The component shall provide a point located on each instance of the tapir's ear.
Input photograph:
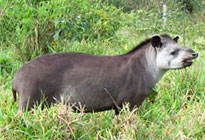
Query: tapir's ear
(156, 41)
(176, 38)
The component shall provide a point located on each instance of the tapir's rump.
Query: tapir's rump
(100, 82)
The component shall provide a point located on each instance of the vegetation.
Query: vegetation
(29, 29)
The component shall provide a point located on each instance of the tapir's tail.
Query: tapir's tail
(14, 94)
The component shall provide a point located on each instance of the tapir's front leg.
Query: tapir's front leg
(134, 100)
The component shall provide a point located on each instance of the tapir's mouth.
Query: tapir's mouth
(188, 62)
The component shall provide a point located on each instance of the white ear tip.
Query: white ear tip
(155, 35)
(177, 36)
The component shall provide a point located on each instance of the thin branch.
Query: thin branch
(113, 100)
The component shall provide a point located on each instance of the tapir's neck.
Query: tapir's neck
(145, 65)
(155, 72)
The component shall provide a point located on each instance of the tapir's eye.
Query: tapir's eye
(174, 52)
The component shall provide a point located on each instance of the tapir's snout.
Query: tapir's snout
(192, 54)
(188, 62)
(195, 55)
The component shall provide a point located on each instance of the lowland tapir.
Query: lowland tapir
(100, 82)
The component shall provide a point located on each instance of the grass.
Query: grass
(178, 112)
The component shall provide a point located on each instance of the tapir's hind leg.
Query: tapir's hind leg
(29, 101)
(28, 98)
(26, 103)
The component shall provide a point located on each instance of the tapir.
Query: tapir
(100, 82)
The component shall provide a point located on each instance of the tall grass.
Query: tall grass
(178, 111)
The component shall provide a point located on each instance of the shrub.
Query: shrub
(128, 5)
(32, 27)
(192, 5)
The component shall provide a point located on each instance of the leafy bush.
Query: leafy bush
(32, 27)
(192, 5)
(5, 64)
(128, 5)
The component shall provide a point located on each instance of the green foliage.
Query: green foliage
(5, 63)
(32, 28)
(192, 5)
(129, 5)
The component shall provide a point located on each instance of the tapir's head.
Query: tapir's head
(170, 54)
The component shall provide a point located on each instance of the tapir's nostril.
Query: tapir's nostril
(195, 55)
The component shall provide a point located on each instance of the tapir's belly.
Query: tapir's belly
(92, 100)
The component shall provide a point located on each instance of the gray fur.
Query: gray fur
(95, 81)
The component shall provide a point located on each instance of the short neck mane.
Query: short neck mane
(140, 46)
